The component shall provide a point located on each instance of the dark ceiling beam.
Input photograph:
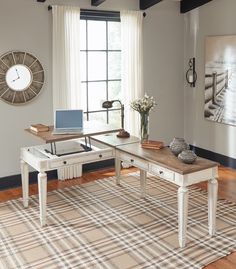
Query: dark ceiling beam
(97, 2)
(144, 4)
(187, 5)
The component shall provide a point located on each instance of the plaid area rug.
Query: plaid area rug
(101, 225)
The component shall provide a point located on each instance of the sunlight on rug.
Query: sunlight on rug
(101, 225)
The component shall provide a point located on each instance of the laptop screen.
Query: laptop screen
(69, 119)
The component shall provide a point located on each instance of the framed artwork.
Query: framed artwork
(220, 79)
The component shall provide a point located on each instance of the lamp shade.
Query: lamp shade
(107, 104)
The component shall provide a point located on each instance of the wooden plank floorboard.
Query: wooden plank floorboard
(227, 190)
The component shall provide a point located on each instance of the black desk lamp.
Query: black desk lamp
(109, 104)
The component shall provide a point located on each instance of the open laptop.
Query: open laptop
(68, 121)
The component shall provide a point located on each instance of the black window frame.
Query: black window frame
(107, 16)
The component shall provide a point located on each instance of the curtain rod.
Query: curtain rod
(50, 8)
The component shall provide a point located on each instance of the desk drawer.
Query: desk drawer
(135, 161)
(162, 172)
(82, 158)
(99, 155)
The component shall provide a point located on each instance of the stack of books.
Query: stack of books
(39, 128)
(152, 144)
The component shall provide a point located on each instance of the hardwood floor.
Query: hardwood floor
(227, 184)
(227, 190)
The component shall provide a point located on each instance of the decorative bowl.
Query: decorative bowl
(178, 145)
(187, 156)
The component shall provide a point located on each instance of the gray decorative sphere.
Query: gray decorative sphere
(187, 156)
(178, 145)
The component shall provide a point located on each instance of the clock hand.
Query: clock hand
(15, 79)
(17, 73)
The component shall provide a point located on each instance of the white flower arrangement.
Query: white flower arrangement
(143, 105)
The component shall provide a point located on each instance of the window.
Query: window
(100, 67)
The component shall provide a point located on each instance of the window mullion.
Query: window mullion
(107, 67)
(87, 68)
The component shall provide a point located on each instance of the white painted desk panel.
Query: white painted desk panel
(131, 152)
(39, 158)
(204, 171)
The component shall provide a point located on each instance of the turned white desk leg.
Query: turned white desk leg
(143, 180)
(182, 214)
(212, 203)
(117, 169)
(25, 183)
(42, 186)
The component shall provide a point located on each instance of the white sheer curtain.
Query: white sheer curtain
(132, 65)
(66, 68)
(66, 57)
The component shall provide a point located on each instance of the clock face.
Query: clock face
(21, 77)
(18, 77)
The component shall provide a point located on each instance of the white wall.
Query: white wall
(163, 69)
(215, 18)
(26, 25)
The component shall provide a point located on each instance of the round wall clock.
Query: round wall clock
(21, 77)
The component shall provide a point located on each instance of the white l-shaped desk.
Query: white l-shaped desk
(161, 163)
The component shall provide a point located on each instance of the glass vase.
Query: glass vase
(144, 126)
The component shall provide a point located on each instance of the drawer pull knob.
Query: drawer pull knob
(160, 172)
(65, 162)
(100, 155)
(132, 160)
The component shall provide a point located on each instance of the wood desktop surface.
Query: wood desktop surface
(112, 140)
(90, 128)
(165, 158)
